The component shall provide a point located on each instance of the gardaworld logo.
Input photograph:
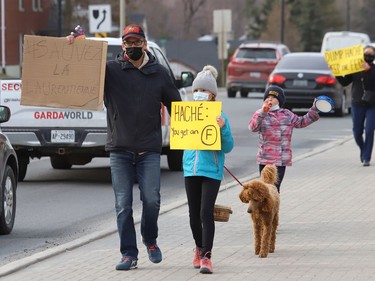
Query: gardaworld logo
(63, 115)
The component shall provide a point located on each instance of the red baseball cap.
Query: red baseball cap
(133, 31)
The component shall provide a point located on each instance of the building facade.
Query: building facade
(20, 17)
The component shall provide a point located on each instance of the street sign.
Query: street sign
(222, 27)
(100, 18)
(222, 21)
(101, 34)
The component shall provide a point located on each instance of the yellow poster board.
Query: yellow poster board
(346, 60)
(193, 125)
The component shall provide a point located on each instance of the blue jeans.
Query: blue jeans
(126, 168)
(364, 120)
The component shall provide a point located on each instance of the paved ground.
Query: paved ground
(326, 232)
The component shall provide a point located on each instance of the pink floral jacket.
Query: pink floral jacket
(275, 133)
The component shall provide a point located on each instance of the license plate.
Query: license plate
(300, 83)
(62, 136)
(255, 74)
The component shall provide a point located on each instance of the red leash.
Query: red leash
(233, 175)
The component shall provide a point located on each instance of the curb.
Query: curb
(35, 258)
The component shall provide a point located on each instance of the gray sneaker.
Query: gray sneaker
(154, 253)
(127, 263)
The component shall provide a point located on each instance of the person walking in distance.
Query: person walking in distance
(363, 112)
(203, 171)
(135, 87)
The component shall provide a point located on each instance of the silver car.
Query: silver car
(8, 178)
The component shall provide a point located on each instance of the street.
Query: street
(58, 206)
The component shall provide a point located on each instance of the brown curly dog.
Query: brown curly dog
(264, 202)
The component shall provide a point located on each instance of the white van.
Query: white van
(341, 39)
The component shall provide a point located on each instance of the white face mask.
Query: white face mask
(200, 96)
(275, 107)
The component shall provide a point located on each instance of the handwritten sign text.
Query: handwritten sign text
(193, 125)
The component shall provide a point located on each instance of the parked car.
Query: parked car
(305, 76)
(8, 178)
(250, 65)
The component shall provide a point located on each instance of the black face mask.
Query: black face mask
(134, 53)
(369, 58)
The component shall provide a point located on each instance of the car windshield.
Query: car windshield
(256, 54)
(113, 51)
(303, 62)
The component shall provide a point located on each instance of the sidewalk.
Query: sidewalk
(326, 232)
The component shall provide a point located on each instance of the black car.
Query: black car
(305, 76)
(8, 178)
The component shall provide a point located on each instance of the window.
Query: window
(257, 54)
(21, 7)
(37, 6)
(112, 51)
(161, 59)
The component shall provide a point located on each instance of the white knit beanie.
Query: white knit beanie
(206, 79)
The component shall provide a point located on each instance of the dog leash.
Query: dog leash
(232, 175)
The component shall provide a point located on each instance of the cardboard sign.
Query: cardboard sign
(193, 125)
(346, 60)
(58, 74)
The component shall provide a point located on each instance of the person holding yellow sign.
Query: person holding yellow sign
(203, 171)
(363, 110)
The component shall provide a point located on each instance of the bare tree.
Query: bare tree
(191, 7)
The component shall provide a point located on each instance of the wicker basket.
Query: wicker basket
(222, 213)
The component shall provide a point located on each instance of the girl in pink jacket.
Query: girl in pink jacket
(275, 126)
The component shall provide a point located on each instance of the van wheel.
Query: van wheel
(340, 112)
(22, 169)
(244, 93)
(8, 202)
(175, 160)
(23, 162)
(231, 93)
(59, 163)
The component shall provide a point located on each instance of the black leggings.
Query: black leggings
(280, 174)
(201, 194)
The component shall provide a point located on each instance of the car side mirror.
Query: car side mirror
(4, 114)
(187, 78)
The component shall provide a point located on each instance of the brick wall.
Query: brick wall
(19, 23)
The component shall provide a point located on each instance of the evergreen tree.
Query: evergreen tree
(367, 18)
(258, 17)
(313, 19)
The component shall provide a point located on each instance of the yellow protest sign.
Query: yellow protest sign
(346, 60)
(193, 125)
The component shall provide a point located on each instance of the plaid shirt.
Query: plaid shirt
(275, 134)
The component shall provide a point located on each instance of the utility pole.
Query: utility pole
(348, 15)
(282, 20)
(122, 16)
(3, 64)
(59, 19)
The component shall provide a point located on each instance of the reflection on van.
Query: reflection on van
(342, 39)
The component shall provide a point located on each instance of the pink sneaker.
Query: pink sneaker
(197, 258)
(206, 265)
